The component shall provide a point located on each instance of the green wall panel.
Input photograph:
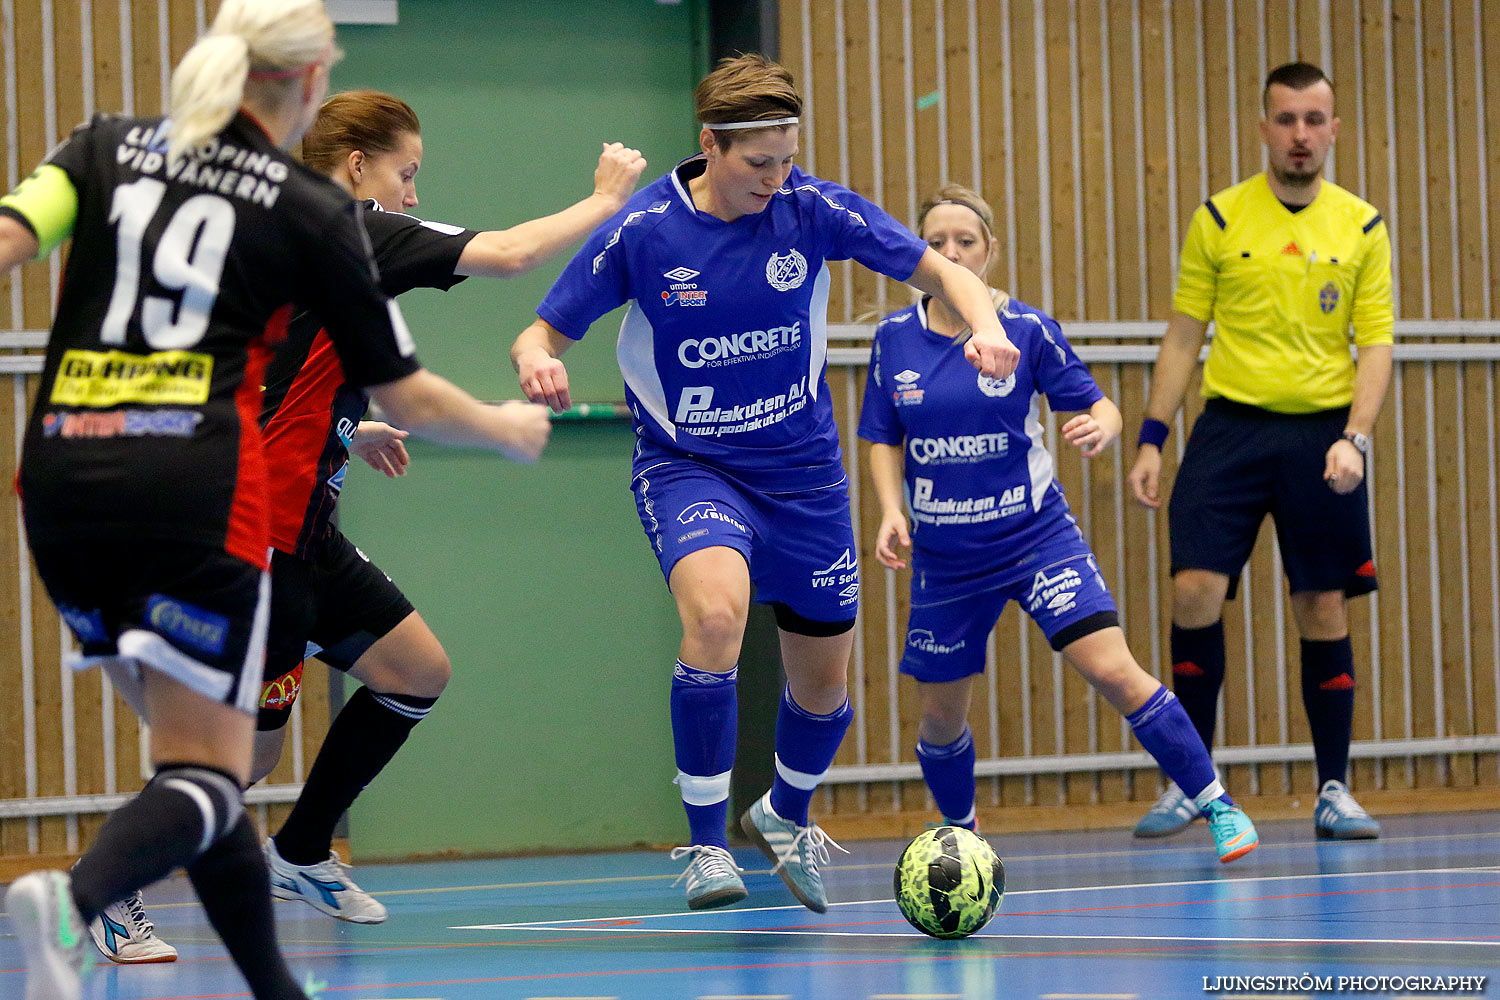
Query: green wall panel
(554, 733)
(515, 99)
(539, 582)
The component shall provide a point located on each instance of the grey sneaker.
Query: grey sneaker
(797, 850)
(713, 879)
(1172, 813)
(324, 886)
(51, 932)
(1338, 817)
(124, 934)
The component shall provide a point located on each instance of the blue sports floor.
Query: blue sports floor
(1086, 916)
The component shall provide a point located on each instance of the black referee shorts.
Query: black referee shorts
(335, 607)
(1242, 463)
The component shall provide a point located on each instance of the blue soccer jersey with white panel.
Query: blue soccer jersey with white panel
(978, 473)
(724, 345)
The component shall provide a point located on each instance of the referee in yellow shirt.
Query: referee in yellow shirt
(1283, 264)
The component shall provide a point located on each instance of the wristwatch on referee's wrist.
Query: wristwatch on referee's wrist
(1360, 441)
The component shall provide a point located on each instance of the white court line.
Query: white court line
(598, 923)
(1048, 936)
(1009, 859)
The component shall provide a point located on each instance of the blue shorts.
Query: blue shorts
(799, 546)
(1058, 583)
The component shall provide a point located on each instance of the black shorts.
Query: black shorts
(1242, 463)
(335, 606)
(192, 612)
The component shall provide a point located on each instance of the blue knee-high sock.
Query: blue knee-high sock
(705, 718)
(1167, 733)
(805, 747)
(949, 771)
(1328, 696)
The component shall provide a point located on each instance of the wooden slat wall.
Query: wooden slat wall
(68, 59)
(1095, 128)
(1101, 125)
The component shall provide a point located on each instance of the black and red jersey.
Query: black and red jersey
(310, 408)
(179, 280)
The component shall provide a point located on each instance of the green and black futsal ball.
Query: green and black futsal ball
(949, 882)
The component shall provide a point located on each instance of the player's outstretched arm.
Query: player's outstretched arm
(380, 445)
(989, 349)
(1093, 431)
(535, 357)
(1175, 361)
(17, 244)
(885, 471)
(432, 407)
(504, 253)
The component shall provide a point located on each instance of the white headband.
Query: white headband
(732, 126)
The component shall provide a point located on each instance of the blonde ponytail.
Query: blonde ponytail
(207, 88)
(256, 43)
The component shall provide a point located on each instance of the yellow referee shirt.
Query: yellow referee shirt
(1282, 289)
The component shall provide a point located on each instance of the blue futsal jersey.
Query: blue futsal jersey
(979, 478)
(724, 346)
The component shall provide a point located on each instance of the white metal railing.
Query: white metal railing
(1268, 748)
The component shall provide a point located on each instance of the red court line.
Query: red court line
(1180, 902)
(987, 956)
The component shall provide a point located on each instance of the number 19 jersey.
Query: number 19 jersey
(724, 346)
(180, 279)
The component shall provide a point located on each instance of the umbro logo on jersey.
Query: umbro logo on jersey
(1292, 249)
(906, 377)
(681, 274)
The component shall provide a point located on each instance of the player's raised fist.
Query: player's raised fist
(527, 427)
(619, 169)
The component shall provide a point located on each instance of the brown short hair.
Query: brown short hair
(746, 88)
(366, 120)
(957, 194)
(1297, 75)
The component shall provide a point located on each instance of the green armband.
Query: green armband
(48, 202)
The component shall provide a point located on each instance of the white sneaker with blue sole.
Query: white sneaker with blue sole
(125, 935)
(325, 886)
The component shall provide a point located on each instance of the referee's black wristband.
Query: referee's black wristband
(1153, 432)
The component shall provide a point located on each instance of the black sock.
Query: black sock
(1198, 673)
(231, 881)
(361, 741)
(165, 827)
(1328, 696)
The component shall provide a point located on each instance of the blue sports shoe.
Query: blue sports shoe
(1338, 817)
(1172, 813)
(1234, 834)
(324, 886)
(713, 879)
(797, 851)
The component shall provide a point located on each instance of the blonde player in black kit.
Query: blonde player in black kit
(143, 478)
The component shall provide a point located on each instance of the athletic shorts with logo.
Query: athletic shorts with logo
(189, 611)
(953, 610)
(799, 546)
(334, 606)
(1242, 463)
